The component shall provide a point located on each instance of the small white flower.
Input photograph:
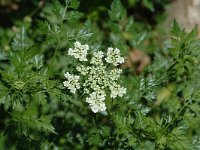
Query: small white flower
(97, 78)
(115, 74)
(117, 90)
(98, 54)
(79, 51)
(97, 58)
(72, 82)
(113, 56)
(83, 70)
(98, 107)
(96, 102)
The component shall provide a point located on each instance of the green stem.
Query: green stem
(28, 130)
(58, 39)
(127, 114)
(176, 116)
(53, 59)
(65, 10)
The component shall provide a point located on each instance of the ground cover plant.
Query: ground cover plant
(69, 78)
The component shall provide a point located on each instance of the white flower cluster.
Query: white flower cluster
(113, 56)
(79, 51)
(96, 102)
(72, 82)
(97, 77)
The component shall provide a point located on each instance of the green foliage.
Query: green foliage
(160, 110)
(148, 4)
(21, 42)
(117, 11)
(184, 50)
(27, 120)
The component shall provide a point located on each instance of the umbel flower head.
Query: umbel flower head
(98, 78)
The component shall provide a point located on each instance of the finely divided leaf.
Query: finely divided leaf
(21, 41)
(117, 11)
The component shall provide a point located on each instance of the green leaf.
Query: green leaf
(21, 41)
(56, 7)
(176, 30)
(27, 119)
(184, 51)
(148, 4)
(40, 98)
(195, 107)
(51, 31)
(117, 11)
(196, 143)
(74, 4)
(177, 139)
(44, 124)
(73, 16)
(3, 56)
(94, 139)
(122, 123)
(147, 145)
(192, 35)
(138, 39)
(8, 77)
(191, 121)
(132, 141)
(105, 131)
(37, 61)
(196, 96)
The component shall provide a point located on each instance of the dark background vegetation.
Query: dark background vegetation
(161, 72)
